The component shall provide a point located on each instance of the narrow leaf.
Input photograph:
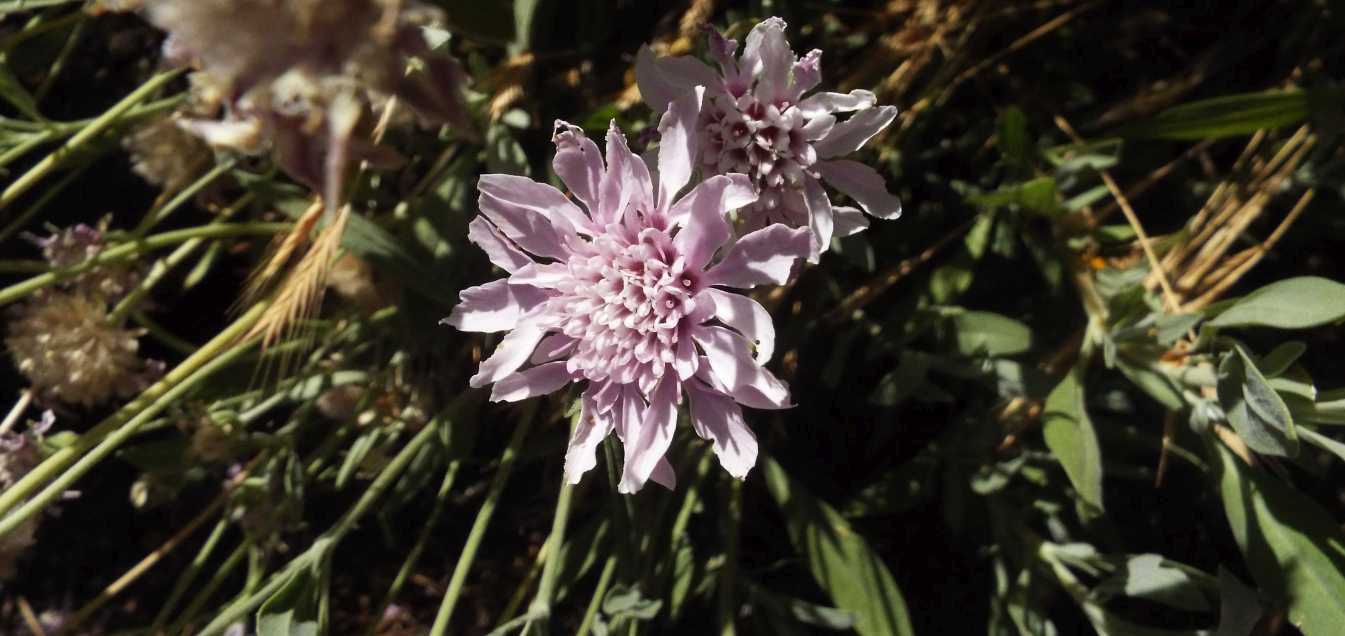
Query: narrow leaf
(1294, 303)
(1070, 436)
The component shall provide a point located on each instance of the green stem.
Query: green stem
(324, 544)
(31, 211)
(161, 267)
(127, 250)
(122, 424)
(189, 575)
(107, 444)
(441, 498)
(62, 59)
(216, 580)
(729, 522)
(604, 580)
(479, 526)
(158, 215)
(102, 123)
(546, 590)
(623, 514)
(163, 335)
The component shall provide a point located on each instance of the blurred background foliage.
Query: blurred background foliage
(1089, 382)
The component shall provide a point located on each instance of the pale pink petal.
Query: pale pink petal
(647, 444)
(664, 475)
(498, 249)
(593, 427)
(765, 256)
(766, 48)
(626, 181)
(807, 74)
(732, 364)
(701, 215)
(526, 228)
(553, 347)
(539, 380)
(513, 350)
(678, 144)
(820, 218)
(661, 80)
(686, 362)
(494, 306)
(540, 198)
(241, 135)
(819, 104)
(863, 184)
(818, 127)
(849, 221)
(747, 317)
(578, 163)
(851, 134)
(718, 419)
(541, 275)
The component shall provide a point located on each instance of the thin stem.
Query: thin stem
(110, 442)
(161, 267)
(122, 424)
(127, 250)
(729, 522)
(546, 590)
(323, 545)
(445, 487)
(97, 126)
(158, 215)
(479, 526)
(189, 575)
(604, 580)
(47, 195)
(216, 580)
(20, 406)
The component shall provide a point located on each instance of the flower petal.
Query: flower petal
(513, 350)
(494, 306)
(820, 104)
(553, 347)
(849, 221)
(581, 455)
(626, 181)
(733, 366)
(766, 48)
(818, 127)
(701, 215)
(539, 380)
(747, 317)
(851, 134)
(718, 419)
(578, 163)
(664, 475)
(661, 80)
(764, 256)
(807, 74)
(649, 442)
(540, 198)
(542, 275)
(863, 184)
(678, 144)
(525, 227)
(821, 220)
(497, 248)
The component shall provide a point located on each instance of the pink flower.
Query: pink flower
(626, 295)
(757, 121)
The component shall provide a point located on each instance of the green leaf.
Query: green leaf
(1070, 436)
(293, 609)
(1281, 358)
(1295, 303)
(981, 333)
(1013, 140)
(1254, 409)
(840, 560)
(1227, 116)
(1037, 195)
(13, 91)
(800, 611)
(1323, 442)
(1293, 547)
(1150, 576)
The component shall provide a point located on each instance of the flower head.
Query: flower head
(624, 293)
(62, 342)
(299, 73)
(758, 120)
(78, 243)
(18, 456)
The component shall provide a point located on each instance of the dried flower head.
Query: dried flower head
(18, 456)
(79, 243)
(297, 73)
(62, 342)
(757, 121)
(625, 294)
(166, 155)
